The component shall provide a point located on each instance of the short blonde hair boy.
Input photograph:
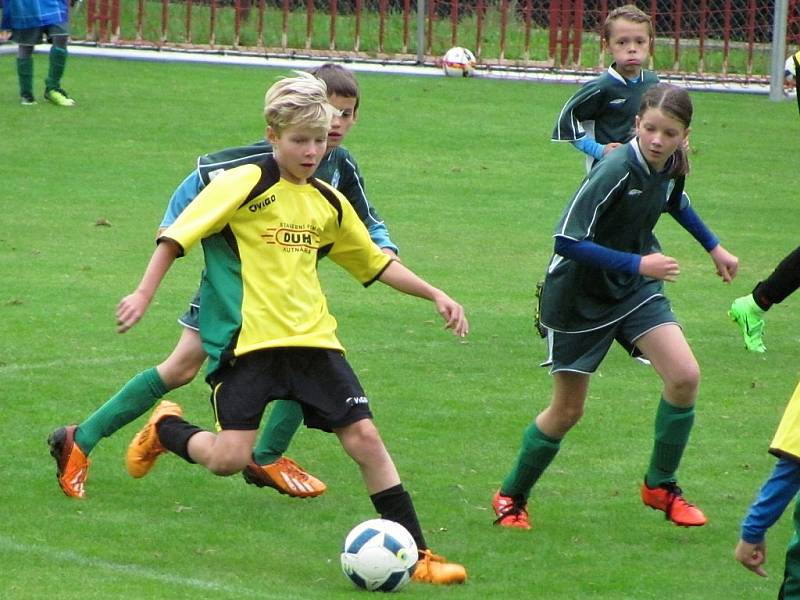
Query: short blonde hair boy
(300, 100)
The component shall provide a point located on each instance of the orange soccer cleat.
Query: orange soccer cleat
(72, 465)
(146, 447)
(512, 513)
(432, 568)
(286, 476)
(669, 499)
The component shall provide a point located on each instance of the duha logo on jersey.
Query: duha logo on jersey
(293, 238)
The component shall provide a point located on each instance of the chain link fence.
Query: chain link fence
(719, 40)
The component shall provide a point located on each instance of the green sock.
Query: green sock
(25, 75)
(58, 62)
(134, 399)
(537, 452)
(284, 419)
(673, 426)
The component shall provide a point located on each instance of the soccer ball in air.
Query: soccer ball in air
(458, 62)
(379, 555)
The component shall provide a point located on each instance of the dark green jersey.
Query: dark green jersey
(616, 206)
(605, 107)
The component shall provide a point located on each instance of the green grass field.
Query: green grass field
(470, 186)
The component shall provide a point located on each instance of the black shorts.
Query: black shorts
(320, 380)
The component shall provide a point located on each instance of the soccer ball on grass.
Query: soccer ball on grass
(379, 555)
(458, 62)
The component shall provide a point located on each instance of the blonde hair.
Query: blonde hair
(300, 100)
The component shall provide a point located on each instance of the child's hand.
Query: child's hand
(752, 556)
(453, 314)
(659, 266)
(130, 310)
(610, 146)
(727, 264)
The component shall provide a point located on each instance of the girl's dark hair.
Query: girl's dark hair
(629, 12)
(675, 102)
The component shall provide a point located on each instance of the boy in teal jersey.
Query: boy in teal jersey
(599, 116)
(264, 320)
(30, 21)
(71, 445)
(605, 282)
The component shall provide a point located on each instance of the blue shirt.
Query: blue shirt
(26, 14)
(773, 498)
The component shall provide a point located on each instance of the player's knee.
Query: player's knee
(569, 416)
(362, 441)
(684, 383)
(176, 374)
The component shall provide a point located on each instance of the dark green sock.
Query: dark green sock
(537, 452)
(25, 75)
(134, 399)
(284, 419)
(673, 426)
(58, 62)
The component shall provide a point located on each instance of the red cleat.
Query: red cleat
(669, 499)
(512, 513)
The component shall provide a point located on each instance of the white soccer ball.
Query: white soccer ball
(458, 62)
(379, 555)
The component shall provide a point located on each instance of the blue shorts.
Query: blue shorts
(583, 352)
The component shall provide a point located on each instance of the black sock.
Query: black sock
(783, 281)
(174, 433)
(395, 505)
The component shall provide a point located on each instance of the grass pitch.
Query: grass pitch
(470, 186)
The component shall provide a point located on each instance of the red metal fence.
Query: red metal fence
(719, 39)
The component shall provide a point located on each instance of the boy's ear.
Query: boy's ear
(271, 135)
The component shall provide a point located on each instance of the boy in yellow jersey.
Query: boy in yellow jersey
(265, 323)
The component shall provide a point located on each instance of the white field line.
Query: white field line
(137, 571)
(73, 362)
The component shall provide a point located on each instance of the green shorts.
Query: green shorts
(583, 352)
(36, 35)
(191, 318)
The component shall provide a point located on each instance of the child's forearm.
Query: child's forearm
(165, 254)
(404, 280)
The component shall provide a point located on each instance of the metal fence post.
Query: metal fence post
(420, 32)
(778, 50)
